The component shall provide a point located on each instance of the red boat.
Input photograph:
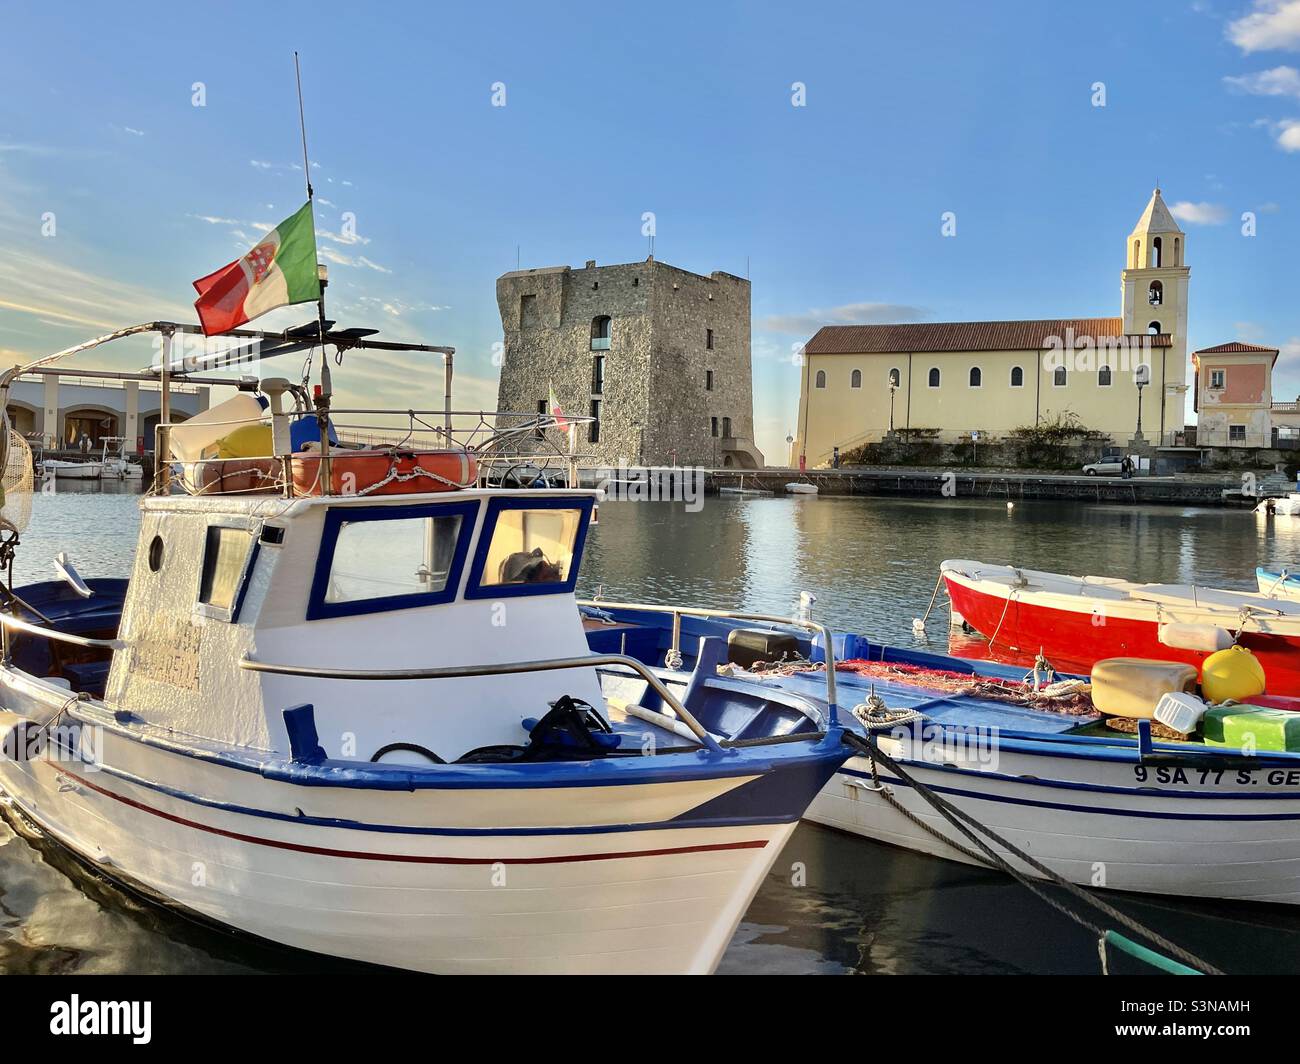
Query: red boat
(1075, 621)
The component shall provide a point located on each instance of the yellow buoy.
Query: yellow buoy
(1234, 674)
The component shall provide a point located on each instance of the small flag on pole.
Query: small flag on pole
(279, 271)
(561, 422)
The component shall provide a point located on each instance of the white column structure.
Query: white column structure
(131, 427)
(50, 420)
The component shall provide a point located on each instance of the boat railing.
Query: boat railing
(499, 669)
(674, 654)
(8, 623)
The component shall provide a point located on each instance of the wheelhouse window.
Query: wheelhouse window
(226, 556)
(385, 558)
(600, 333)
(529, 548)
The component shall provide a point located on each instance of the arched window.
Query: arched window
(1153, 329)
(895, 378)
(1017, 377)
(821, 378)
(976, 377)
(855, 379)
(1137, 254)
(934, 376)
(1058, 377)
(1178, 251)
(1103, 377)
(600, 333)
(1156, 294)
(1156, 255)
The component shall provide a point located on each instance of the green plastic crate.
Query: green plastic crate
(1255, 727)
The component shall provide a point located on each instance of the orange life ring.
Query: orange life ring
(387, 472)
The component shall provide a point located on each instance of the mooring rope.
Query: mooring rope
(960, 819)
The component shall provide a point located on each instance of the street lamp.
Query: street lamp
(1143, 378)
(892, 389)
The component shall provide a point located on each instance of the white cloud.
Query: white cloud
(212, 219)
(1199, 213)
(1288, 134)
(1273, 24)
(847, 314)
(1280, 81)
(261, 165)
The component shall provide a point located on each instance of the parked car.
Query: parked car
(1110, 464)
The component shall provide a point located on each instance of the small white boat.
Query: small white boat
(114, 464)
(1286, 506)
(738, 490)
(60, 469)
(800, 487)
(306, 717)
(1278, 583)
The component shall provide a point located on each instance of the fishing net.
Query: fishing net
(1071, 697)
(18, 482)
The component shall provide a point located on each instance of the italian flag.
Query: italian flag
(281, 270)
(561, 422)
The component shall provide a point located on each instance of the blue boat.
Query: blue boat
(1020, 753)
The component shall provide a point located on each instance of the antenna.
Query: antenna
(302, 125)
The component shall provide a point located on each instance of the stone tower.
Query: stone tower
(659, 355)
(1155, 301)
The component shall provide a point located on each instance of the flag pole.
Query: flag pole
(322, 397)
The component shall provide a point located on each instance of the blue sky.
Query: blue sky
(685, 110)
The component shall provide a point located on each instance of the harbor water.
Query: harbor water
(833, 903)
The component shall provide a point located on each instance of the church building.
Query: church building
(946, 380)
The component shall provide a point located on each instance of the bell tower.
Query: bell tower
(1154, 287)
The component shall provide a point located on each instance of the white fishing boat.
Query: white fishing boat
(800, 487)
(345, 702)
(1026, 755)
(61, 469)
(114, 463)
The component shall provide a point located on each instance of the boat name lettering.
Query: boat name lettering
(1215, 777)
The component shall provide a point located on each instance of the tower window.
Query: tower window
(726, 428)
(976, 377)
(1156, 253)
(1103, 377)
(708, 380)
(713, 426)
(598, 375)
(1137, 254)
(895, 378)
(820, 379)
(1153, 329)
(600, 333)
(1059, 377)
(1156, 294)
(593, 429)
(708, 339)
(934, 376)
(1178, 251)
(1017, 377)
(855, 379)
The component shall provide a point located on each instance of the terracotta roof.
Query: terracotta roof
(964, 336)
(1236, 347)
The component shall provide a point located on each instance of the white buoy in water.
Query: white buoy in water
(918, 625)
(1011, 506)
